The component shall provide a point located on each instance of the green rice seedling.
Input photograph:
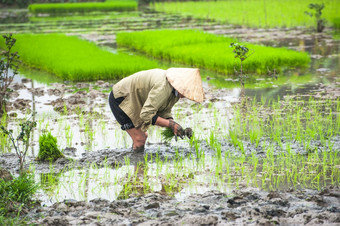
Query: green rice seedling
(59, 8)
(268, 14)
(167, 134)
(68, 135)
(208, 51)
(3, 136)
(48, 148)
(71, 58)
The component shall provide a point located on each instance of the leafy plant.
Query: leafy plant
(22, 141)
(8, 60)
(241, 52)
(320, 22)
(16, 193)
(48, 148)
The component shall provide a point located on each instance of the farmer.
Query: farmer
(147, 97)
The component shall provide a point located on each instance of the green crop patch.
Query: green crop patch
(59, 8)
(253, 13)
(71, 58)
(204, 50)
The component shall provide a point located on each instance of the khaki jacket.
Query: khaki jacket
(146, 93)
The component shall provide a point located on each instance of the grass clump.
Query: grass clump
(48, 148)
(58, 8)
(252, 13)
(16, 194)
(209, 51)
(71, 58)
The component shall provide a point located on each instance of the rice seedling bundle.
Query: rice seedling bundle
(71, 58)
(253, 13)
(204, 50)
(55, 8)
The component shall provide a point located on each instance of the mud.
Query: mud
(248, 206)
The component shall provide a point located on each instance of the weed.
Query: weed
(16, 193)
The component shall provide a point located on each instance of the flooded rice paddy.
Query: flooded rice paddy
(236, 170)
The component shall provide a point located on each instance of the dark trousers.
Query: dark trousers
(118, 113)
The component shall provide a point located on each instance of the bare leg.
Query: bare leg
(138, 137)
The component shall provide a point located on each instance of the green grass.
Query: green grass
(253, 13)
(16, 193)
(203, 50)
(56, 8)
(71, 58)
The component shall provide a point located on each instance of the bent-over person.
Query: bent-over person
(147, 97)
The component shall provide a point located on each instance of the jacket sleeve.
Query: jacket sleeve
(156, 98)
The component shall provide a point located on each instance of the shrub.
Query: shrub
(48, 148)
(22, 141)
(8, 61)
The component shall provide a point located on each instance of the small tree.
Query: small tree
(7, 60)
(242, 53)
(22, 141)
(320, 22)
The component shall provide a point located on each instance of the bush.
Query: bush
(48, 148)
(16, 193)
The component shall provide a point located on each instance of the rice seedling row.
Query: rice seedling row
(209, 51)
(59, 8)
(268, 14)
(71, 58)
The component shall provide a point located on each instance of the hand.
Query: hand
(188, 132)
(176, 129)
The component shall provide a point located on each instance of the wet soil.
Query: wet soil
(246, 206)
(242, 206)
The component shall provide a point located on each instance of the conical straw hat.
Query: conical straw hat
(187, 81)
